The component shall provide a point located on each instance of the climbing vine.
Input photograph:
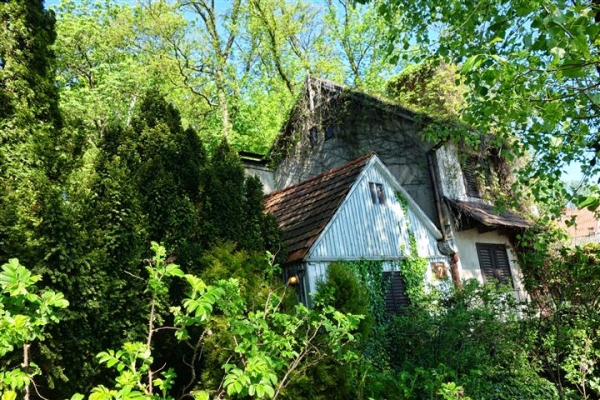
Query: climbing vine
(412, 267)
(370, 274)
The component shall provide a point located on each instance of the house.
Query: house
(330, 126)
(585, 228)
(257, 165)
(354, 212)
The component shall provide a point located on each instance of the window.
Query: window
(396, 299)
(471, 176)
(377, 193)
(313, 136)
(494, 264)
(328, 132)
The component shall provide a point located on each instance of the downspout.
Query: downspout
(446, 245)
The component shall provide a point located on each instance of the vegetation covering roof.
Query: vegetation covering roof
(303, 210)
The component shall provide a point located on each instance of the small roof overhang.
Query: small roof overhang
(486, 217)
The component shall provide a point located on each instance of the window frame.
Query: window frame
(497, 269)
(377, 191)
(395, 298)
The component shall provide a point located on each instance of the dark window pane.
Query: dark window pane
(380, 193)
(377, 193)
(313, 136)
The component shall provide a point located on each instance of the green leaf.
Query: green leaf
(269, 391)
(9, 395)
(591, 203)
(472, 63)
(201, 395)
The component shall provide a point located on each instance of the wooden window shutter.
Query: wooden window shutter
(471, 176)
(395, 294)
(494, 263)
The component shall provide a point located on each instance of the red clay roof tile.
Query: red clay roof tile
(303, 210)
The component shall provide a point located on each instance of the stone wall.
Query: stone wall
(331, 127)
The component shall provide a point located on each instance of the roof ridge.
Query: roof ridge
(332, 171)
(379, 99)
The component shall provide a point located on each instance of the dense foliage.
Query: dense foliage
(532, 69)
(263, 356)
(138, 148)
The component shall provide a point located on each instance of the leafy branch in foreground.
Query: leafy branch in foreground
(271, 346)
(24, 313)
(531, 68)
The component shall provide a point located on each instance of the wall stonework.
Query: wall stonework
(341, 129)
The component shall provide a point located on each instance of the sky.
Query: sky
(572, 173)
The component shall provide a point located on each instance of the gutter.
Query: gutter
(446, 246)
(431, 164)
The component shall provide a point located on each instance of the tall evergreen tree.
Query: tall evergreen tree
(38, 219)
(223, 204)
(254, 209)
(29, 118)
(168, 177)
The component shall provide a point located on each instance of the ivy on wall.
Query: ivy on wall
(412, 267)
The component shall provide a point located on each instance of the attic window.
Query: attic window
(377, 193)
(328, 132)
(313, 136)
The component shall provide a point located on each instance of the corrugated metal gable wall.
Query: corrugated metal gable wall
(362, 229)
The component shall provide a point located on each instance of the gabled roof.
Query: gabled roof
(488, 215)
(303, 210)
(363, 97)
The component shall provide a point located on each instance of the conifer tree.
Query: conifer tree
(223, 203)
(254, 223)
(38, 218)
(29, 118)
(168, 177)
(261, 229)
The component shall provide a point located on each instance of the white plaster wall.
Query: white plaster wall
(265, 175)
(469, 261)
(450, 174)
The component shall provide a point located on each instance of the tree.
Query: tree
(223, 208)
(231, 70)
(168, 176)
(428, 88)
(532, 69)
(108, 57)
(355, 32)
(29, 119)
